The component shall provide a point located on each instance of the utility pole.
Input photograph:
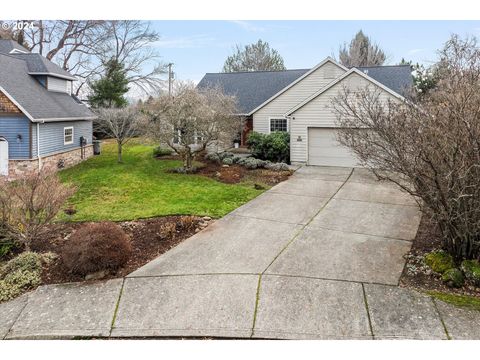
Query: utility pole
(170, 79)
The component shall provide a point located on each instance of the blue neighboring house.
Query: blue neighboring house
(41, 122)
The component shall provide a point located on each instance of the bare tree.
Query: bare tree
(83, 47)
(254, 57)
(361, 52)
(432, 141)
(192, 119)
(30, 204)
(120, 124)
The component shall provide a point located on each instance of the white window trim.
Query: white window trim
(73, 136)
(270, 118)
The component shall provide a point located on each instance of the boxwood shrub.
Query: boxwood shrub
(273, 147)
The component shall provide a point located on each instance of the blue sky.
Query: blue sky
(197, 47)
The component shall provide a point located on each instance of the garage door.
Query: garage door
(324, 150)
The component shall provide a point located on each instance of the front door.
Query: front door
(3, 156)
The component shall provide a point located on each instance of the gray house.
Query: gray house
(41, 122)
(298, 102)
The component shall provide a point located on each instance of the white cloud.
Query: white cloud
(248, 26)
(184, 42)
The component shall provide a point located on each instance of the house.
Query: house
(298, 101)
(41, 121)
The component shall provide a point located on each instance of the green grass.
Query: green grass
(142, 187)
(466, 301)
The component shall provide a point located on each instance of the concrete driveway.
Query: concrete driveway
(317, 256)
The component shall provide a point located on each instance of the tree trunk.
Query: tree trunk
(119, 153)
(187, 161)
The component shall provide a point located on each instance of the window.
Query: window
(68, 135)
(278, 125)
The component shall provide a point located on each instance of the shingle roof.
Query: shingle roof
(8, 45)
(33, 98)
(38, 65)
(255, 87)
(251, 88)
(396, 77)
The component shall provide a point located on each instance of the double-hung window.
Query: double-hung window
(278, 124)
(68, 135)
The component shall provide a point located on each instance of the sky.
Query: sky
(198, 47)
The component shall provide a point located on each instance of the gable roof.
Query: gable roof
(396, 77)
(251, 88)
(255, 89)
(339, 79)
(35, 101)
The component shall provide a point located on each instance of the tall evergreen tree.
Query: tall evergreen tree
(254, 57)
(361, 52)
(110, 89)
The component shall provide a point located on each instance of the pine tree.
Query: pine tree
(110, 89)
(361, 52)
(254, 57)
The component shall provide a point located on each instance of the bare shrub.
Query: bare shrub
(30, 204)
(95, 247)
(188, 222)
(432, 141)
(168, 230)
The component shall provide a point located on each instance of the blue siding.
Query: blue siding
(51, 136)
(10, 128)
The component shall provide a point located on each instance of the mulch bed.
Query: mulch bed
(417, 275)
(148, 241)
(233, 174)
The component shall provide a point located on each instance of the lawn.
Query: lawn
(142, 187)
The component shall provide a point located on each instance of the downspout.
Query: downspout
(38, 147)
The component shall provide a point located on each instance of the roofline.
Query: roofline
(336, 81)
(64, 119)
(22, 109)
(54, 75)
(252, 72)
(328, 59)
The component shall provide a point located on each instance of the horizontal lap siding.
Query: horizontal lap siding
(51, 136)
(318, 113)
(10, 128)
(295, 95)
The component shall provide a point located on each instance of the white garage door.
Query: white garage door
(324, 150)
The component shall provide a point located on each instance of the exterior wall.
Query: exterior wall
(56, 84)
(17, 168)
(6, 106)
(11, 126)
(318, 79)
(51, 136)
(318, 113)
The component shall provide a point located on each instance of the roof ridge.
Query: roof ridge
(382, 66)
(255, 72)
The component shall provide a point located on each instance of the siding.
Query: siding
(296, 94)
(51, 136)
(318, 113)
(10, 127)
(56, 84)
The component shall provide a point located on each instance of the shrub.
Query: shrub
(95, 247)
(277, 166)
(453, 278)
(471, 269)
(159, 151)
(228, 161)
(273, 147)
(439, 261)
(29, 205)
(213, 157)
(20, 274)
(188, 222)
(168, 230)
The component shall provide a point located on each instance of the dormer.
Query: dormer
(58, 84)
